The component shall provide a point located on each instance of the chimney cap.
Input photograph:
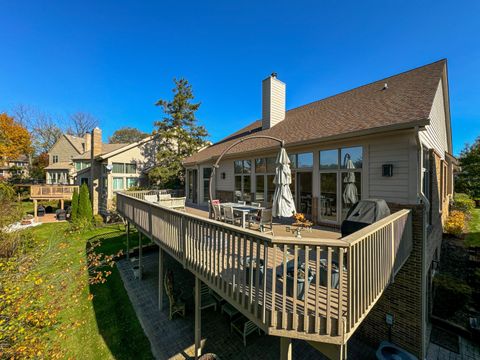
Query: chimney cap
(274, 75)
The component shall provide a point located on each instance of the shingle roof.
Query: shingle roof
(77, 142)
(407, 100)
(59, 166)
(106, 148)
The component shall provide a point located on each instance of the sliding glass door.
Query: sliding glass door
(340, 182)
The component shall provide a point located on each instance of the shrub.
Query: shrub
(451, 294)
(74, 214)
(462, 202)
(98, 220)
(455, 223)
(84, 204)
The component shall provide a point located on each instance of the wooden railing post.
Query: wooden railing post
(183, 239)
(392, 244)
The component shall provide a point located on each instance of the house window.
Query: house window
(118, 168)
(118, 183)
(131, 182)
(131, 168)
(206, 183)
(242, 169)
(264, 175)
(55, 159)
(305, 160)
(340, 181)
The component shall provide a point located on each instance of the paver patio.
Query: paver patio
(175, 339)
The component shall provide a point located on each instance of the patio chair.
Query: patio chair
(207, 300)
(264, 220)
(176, 305)
(241, 202)
(244, 327)
(151, 198)
(229, 215)
(217, 212)
(211, 213)
(256, 204)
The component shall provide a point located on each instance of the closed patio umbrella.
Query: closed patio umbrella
(283, 203)
(350, 194)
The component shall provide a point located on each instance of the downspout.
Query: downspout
(422, 199)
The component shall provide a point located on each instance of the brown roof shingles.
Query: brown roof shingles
(408, 99)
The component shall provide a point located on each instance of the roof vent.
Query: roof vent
(385, 87)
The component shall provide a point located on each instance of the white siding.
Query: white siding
(398, 152)
(435, 136)
(228, 183)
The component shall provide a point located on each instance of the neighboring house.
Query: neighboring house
(106, 168)
(397, 133)
(15, 168)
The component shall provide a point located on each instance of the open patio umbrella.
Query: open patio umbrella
(350, 194)
(283, 203)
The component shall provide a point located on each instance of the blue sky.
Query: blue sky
(115, 59)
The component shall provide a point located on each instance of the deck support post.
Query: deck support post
(127, 229)
(35, 205)
(198, 318)
(160, 278)
(285, 348)
(140, 265)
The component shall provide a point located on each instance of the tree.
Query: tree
(81, 123)
(45, 129)
(74, 213)
(468, 180)
(14, 138)
(84, 205)
(39, 163)
(126, 135)
(179, 134)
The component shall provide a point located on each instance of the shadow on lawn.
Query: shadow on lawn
(116, 319)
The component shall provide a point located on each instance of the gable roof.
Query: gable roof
(77, 142)
(369, 108)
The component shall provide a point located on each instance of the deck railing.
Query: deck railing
(255, 272)
(64, 192)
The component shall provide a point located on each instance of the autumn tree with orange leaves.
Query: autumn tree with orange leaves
(15, 140)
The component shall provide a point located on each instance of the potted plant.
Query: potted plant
(253, 265)
(301, 278)
(209, 356)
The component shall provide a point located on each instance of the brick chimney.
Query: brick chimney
(87, 141)
(273, 101)
(96, 147)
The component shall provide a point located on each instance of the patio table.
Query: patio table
(243, 209)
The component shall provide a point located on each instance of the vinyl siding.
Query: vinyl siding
(435, 135)
(63, 149)
(398, 152)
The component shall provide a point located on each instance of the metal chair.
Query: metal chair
(244, 327)
(256, 204)
(264, 221)
(229, 215)
(206, 299)
(176, 305)
(241, 202)
(217, 212)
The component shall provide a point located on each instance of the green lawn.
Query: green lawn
(102, 327)
(472, 238)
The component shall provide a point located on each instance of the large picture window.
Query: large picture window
(242, 169)
(340, 181)
(118, 183)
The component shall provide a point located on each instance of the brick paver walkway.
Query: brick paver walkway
(175, 339)
(468, 351)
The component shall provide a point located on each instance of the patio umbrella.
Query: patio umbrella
(350, 194)
(283, 203)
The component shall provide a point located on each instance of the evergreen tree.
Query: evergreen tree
(179, 135)
(74, 214)
(468, 180)
(84, 204)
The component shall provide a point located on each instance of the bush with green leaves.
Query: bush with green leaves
(74, 214)
(463, 202)
(84, 205)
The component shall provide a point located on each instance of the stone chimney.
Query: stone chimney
(273, 101)
(96, 147)
(88, 141)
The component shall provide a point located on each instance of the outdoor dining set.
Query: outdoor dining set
(242, 214)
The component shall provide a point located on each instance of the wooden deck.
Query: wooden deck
(348, 275)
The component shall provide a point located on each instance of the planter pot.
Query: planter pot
(247, 270)
(136, 271)
(300, 283)
(209, 356)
